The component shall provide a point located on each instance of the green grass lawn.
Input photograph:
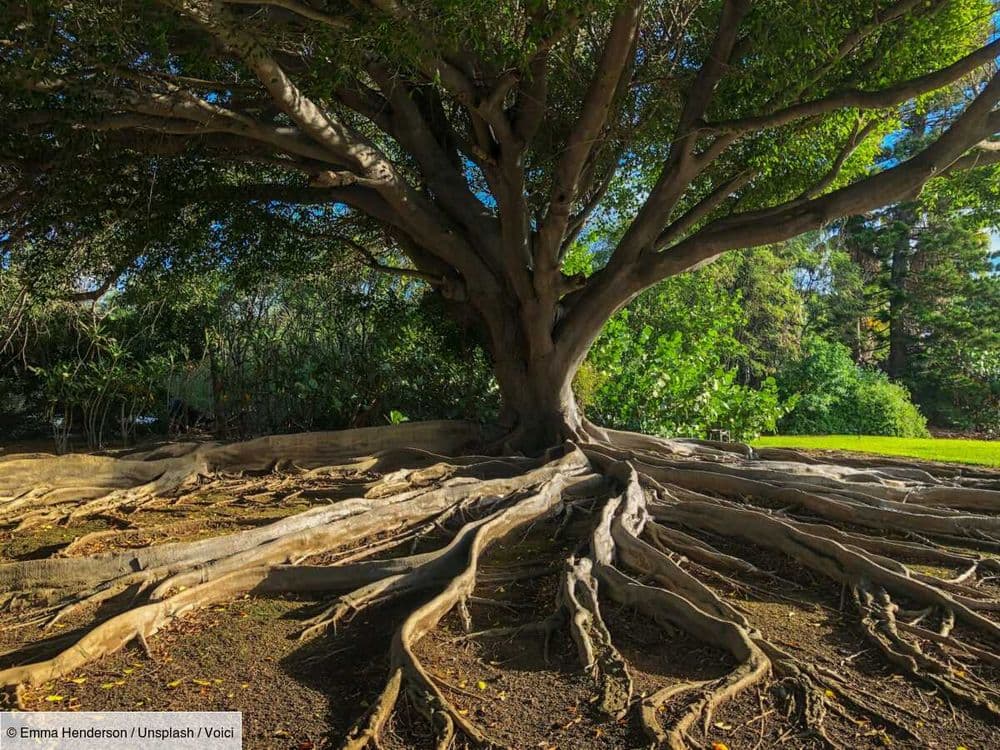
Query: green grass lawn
(985, 452)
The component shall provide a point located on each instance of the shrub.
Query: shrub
(836, 396)
(645, 373)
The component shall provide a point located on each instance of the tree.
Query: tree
(928, 305)
(912, 288)
(468, 144)
(482, 152)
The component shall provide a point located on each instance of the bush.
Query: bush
(835, 396)
(664, 367)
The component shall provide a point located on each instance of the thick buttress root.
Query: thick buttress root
(665, 523)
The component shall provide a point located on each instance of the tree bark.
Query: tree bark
(534, 370)
(898, 276)
(538, 407)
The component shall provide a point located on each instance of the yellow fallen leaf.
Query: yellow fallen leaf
(175, 683)
(245, 685)
(203, 683)
(79, 680)
(961, 747)
(463, 711)
(108, 685)
(960, 673)
(481, 685)
(53, 698)
(830, 694)
(720, 746)
(127, 671)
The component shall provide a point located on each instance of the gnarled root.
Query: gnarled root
(670, 530)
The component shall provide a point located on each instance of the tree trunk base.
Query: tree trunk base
(674, 531)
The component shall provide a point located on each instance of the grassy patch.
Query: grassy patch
(983, 452)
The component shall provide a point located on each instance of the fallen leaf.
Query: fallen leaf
(720, 746)
(53, 698)
(79, 680)
(175, 683)
(481, 685)
(830, 694)
(203, 683)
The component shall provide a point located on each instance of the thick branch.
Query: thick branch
(881, 99)
(596, 109)
(299, 9)
(783, 222)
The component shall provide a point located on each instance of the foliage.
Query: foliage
(836, 396)
(914, 290)
(663, 366)
(99, 371)
(247, 358)
(313, 353)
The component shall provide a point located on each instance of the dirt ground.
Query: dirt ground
(528, 690)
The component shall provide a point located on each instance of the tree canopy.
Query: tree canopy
(470, 143)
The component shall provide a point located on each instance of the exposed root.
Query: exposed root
(662, 518)
(47, 489)
(578, 595)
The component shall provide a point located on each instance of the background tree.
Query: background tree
(912, 289)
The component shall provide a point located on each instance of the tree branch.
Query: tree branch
(593, 116)
(881, 99)
(682, 166)
(299, 9)
(370, 260)
(702, 209)
(782, 222)
(857, 137)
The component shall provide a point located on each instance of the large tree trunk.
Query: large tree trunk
(538, 402)
(534, 371)
(898, 277)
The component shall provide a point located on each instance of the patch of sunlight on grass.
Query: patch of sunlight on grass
(983, 452)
